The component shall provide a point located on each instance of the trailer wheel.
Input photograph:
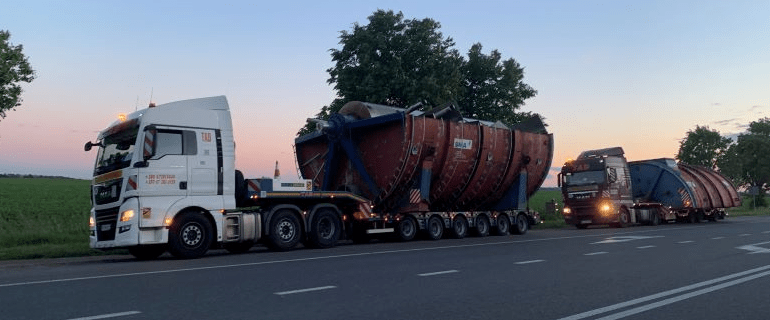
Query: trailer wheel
(285, 231)
(459, 227)
(406, 229)
(435, 228)
(522, 224)
(326, 229)
(482, 226)
(148, 252)
(190, 236)
(238, 247)
(503, 225)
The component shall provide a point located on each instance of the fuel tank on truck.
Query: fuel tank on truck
(681, 186)
(405, 160)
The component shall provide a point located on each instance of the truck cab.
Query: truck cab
(157, 163)
(597, 189)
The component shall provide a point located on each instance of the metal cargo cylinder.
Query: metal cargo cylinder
(416, 161)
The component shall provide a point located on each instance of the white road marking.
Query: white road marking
(682, 297)
(645, 247)
(595, 253)
(530, 261)
(436, 273)
(673, 292)
(283, 293)
(765, 232)
(755, 248)
(105, 316)
(745, 235)
(250, 264)
(688, 241)
(625, 238)
(717, 238)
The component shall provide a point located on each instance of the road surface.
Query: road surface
(677, 271)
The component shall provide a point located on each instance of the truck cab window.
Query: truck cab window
(175, 142)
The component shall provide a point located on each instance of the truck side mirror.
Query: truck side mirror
(558, 179)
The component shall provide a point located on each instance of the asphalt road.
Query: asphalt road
(678, 271)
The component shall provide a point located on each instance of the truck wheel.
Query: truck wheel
(624, 218)
(238, 247)
(325, 229)
(435, 228)
(285, 231)
(148, 252)
(459, 227)
(482, 226)
(190, 236)
(522, 224)
(406, 229)
(503, 225)
(581, 226)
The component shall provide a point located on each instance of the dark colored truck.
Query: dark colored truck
(601, 187)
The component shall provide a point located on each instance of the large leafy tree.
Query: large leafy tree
(747, 161)
(702, 147)
(400, 62)
(14, 69)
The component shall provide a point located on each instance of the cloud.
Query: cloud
(716, 104)
(725, 122)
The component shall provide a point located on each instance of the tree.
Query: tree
(702, 147)
(492, 90)
(400, 62)
(747, 161)
(14, 69)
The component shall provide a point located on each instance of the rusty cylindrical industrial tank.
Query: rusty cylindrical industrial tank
(407, 161)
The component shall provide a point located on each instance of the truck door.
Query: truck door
(162, 179)
(204, 167)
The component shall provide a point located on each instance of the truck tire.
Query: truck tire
(147, 252)
(522, 224)
(581, 226)
(503, 225)
(190, 235)
(434, 229)
(482, 226)
(624, 218)
(285, 231)
(238, 247)
(459, 227)
(325, 229)
(406, 229)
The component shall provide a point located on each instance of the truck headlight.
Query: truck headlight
(91, 222)
(605, 207)
(567, 210)
(126, 215)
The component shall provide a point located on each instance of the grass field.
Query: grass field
(44, 217)
(48, 217)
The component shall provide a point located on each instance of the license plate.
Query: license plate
(106, 227)
(585, 221)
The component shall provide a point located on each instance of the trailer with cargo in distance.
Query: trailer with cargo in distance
(602, 187)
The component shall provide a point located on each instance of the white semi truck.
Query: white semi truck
(165, 180)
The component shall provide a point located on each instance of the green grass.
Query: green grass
(44, 218)
(551, 219)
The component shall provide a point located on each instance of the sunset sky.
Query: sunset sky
(636, 74)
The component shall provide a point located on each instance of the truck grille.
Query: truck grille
(106, 221)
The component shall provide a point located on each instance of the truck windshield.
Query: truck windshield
(117, 150)
(585, 177)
